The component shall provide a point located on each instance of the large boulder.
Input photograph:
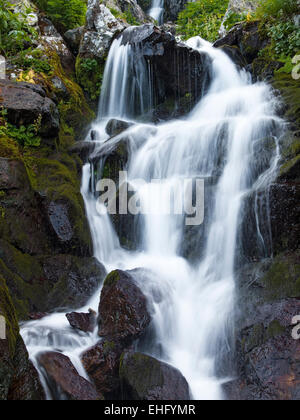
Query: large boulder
(26, 103)
(100, 30)
(42, 284)
(247, 38)
(267, 356)
(123, 311)
(64, 380)
(145, 378)
(43, 210)
(101, 363)
(179, 72)
(18, 378)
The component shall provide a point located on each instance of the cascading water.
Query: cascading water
(219, 141)
(157, 10)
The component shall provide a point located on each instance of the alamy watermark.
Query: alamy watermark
(159, 197)
(296, 329)
(2, 328)
(2, 67)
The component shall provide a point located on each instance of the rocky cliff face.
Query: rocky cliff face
(268, 291)
(46, 254)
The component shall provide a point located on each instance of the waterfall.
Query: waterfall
(218, 142)
(123, 96)
(157, 10)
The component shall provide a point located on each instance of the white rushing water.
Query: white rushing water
(219, 141)
(157, 10)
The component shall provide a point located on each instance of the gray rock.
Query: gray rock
(145, 378)
(73, 38)
(25, 103)
(100, 30)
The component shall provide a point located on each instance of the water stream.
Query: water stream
(157, 10)
(220, 142)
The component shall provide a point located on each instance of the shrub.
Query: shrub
(272, 9)
(14, 30)
(65, 14)
(202, 18)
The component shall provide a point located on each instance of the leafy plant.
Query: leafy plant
(272, 9)
(233, 18)
(202, 18)
(26, 136)
(65, 14)
(14, 30)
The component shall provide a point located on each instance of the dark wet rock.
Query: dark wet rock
(64, 378)
(145, 378)
(247, 38)
(235, 55)
(73, 38)
(115, 127)
(26, 103)
(123, 311)
(267, 357)
(101, 362)
(74, 280)
(60, 222)
(85, 322)
(42, 284)
(164, 54)
(12, 174)
(18, 378)
(284, 215)
(83, 149)
(25, 383)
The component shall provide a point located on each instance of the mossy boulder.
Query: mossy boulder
(101, 363)
(145, 378)
(267, 357)
(123, 311)
(64, 380)
(18, 378)
(45, 283)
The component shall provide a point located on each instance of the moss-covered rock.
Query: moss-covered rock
(145, 378)
(45, 283)
(18, 378)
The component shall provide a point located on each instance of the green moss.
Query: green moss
(89, 74)
(274, 329)
(283, 279)
(7, 310)
(112, 279)
(287, 167)
(24, 276)
(8, 148)
(290, 91)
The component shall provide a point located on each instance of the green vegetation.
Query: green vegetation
(202, 18)
(277, 19)
(25, 136)
(65, 14)
(127, 16)
(89, 73)
(15, 32)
